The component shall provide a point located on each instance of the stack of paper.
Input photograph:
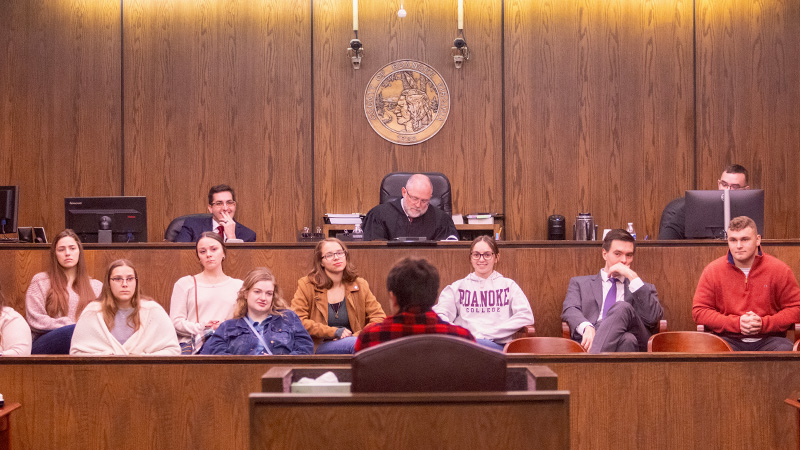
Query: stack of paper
(338, 219)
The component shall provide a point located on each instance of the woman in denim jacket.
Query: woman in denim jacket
(262, 324)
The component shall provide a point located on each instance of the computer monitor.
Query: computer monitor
(107, 219)
(9, 209)
(705, 211)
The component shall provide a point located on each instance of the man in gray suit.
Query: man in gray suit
(614, 310)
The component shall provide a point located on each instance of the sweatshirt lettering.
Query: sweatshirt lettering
(484, 301)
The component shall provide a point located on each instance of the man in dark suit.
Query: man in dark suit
(222, 206)
(614, 310)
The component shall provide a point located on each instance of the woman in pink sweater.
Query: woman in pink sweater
(55, 298)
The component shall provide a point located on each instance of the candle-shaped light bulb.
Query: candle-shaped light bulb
(355, 15)
(460, 14)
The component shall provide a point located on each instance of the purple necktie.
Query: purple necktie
(611, 297)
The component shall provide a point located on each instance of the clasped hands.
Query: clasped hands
(750, 323)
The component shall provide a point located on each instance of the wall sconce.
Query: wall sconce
(356, 49)
(460, 50)
(355, 52)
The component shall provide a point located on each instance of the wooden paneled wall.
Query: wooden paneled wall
(350, 159)
(748, 91)
(598, 111)
(60, 104)
(612, 107)
(217, 91)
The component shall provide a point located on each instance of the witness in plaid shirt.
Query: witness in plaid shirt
(413, 286)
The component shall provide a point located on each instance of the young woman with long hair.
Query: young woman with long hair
(56, 297)
(201, 302)
(262, 324)
(333, 302)
(122, 322)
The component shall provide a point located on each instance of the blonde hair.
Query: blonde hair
(259, 274)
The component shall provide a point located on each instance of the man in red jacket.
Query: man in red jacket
(748, 298)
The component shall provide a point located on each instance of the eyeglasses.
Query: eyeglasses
(477, 255)
(219, 204)
(733, 187)
(119, 280)
(417, 200)
(334, 255)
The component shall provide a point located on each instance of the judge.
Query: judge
(410, 216)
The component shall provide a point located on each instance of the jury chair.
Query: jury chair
(543, 345)
(428, 363)
(174, 227)
(392, 184)
(687, 342)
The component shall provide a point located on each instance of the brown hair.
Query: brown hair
(279, 304)
(618, 234)
(215, 236)
(489, 241)
(736, 168)
(220, 188)
(414, 282)
(742, 222)
(108, 303)
(319, 278)
(57, 300)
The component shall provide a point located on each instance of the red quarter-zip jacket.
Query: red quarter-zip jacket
(724, 294)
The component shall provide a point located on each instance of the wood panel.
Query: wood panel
(350, 159)
(598, 111)
(542, 270)
(411, 420)
(659, 401)
(748, 88)
(60, 129)
(217, 92)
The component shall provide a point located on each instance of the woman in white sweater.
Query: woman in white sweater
(201, 302)
(123, 323)
(491, 306)
(15, 334)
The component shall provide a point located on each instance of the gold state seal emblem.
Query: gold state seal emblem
(407, 102)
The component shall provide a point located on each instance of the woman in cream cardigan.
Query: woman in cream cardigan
(15, 334)
(121, 322)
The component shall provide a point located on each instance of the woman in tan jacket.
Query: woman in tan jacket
(333, 302)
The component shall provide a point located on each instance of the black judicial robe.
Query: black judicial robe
(388, 221)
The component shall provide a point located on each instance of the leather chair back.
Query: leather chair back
(429, 363)
(175, 226)
(392, 184)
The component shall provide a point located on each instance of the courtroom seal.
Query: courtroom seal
(407, 102)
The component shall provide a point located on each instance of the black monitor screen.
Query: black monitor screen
(9, 204)
(705, 211)
(107, 219)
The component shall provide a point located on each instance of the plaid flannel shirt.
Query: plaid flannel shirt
(408, 323)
